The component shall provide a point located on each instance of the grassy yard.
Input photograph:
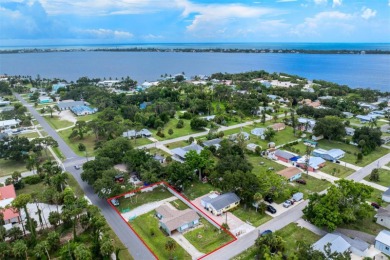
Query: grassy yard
(299, 148)
(291, 234)
(336, 170)
(312, 185)
(207, 237)
(177, 144)
(250, 215)
(351, 150)
(74, 185)
(177, 132)
(88, 117)
(147, 224)
(179, 204)
(140, 141)
(198, 189)
(154, 151)
(159, 193)
(58, 153)
(384, 178)
(57, 123)
(88, 141)
(29, 135)
(376, 196)
(366, 225)
(7, 167)
(30, 189)
(261, 164)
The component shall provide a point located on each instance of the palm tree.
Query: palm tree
(170, 246)
(373, 122)
(50, 109)
(275, 118)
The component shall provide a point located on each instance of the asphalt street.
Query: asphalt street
(136, 248)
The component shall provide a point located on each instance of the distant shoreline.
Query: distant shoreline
(194, 50)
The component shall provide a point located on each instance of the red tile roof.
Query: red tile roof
(8, 192)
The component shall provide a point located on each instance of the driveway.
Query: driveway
(143, 209)
(237, 226)
(186, 245)
(280, 209)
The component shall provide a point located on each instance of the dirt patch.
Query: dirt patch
(67, 115)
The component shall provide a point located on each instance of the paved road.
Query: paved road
(363, 172)
(136, 248)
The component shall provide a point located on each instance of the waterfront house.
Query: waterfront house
(314, 163)
(382, 242)
(171, 219)
(291, 173)
(330, 155)
(7, 195)
(218, 204)
(181, 152)
(383, 217)
(386, 195)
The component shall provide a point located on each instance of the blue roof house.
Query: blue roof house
(329, 155)
(144, 104)
(337, 244)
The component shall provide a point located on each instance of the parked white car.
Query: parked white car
(287, 203)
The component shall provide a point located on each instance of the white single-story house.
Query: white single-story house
(107, 83)
(261, 109)
(171, 219)
(233, 137)
(6, 124)
(291, 173)
(306, 124)
(349, 131)
(252, 147)
(348, 114)
(314, 164)
(218, 204)
(329, 155)
(386, 195)
(181, 152)
(382, 242)
(383, 217)
(4, 102)
(208, 118)
(259, 132)
(337, 244)
(68, 104)
(214, 142)
(133, 134)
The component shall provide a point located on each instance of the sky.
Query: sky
(72, 22)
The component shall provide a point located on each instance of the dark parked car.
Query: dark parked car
(77, 167)
(271, 209)
(119, 178)
(268, 199)
(375, 205)
(301, 181)
(265, 232)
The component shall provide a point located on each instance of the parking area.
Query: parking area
(280, 209)
(236, 225)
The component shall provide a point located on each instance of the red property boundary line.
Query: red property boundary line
(177, 194)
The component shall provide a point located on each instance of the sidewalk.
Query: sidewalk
(374, 185)
(349, 165)
(316, 230)
(186, 245)
(145, 208)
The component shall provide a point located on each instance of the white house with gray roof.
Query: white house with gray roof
(181, 152)
(259, 132)
(214, 142)
(218, 204)
(337, 244)
(386, 195)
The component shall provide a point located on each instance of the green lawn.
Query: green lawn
(88, 141)
(299, 148)
(159, 193)
(250, 215)
(336, 170)
(179, 204)
(58, 153)
(198, 189)
(207, 238)
(351, 151)
(366, 225)
(88, 117)
(154, 151)
(384, 178)
(291, 234)
(312, 185)
(140, 141)
(7, 167)
(147, 224)
(57, 123)
(30, 189)
(177, 144)
(376, 196)
(74, 185)
(177, 132)
(261, 164)
(29, 135)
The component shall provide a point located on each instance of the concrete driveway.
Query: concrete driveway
(280, 209)
(236, 225)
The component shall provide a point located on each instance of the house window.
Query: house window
(387, 248)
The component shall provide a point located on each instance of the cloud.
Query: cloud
(320, 2)
(337, 3)
(151, 36)
(104, 33)
(368, 13)
(324, 23)
(285, 1)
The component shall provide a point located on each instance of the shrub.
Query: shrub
(180, 124)
(160, 134)
(33, 179)
(186, 115)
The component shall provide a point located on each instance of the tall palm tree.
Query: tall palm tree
(373, 122)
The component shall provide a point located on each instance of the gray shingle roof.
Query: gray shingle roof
(212, 142)
(338, 244)
(284, 154)
(224, 200)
